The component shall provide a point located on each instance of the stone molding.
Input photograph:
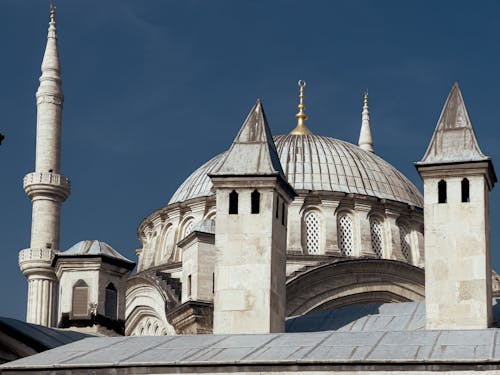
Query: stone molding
(51, 99)
(41, 183)
(192, 317)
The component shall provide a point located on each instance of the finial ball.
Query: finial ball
(302, 83)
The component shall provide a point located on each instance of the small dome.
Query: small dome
(94, 247)
(317, 163)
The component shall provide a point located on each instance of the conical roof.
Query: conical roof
(253, 151)
(454, 139)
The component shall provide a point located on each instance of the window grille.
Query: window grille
(80, 299)
(404, 236)
(188, 228)
(376, 232)
(311, 220)
(345, 235)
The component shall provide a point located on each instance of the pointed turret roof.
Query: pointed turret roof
(454, 139)
(365, 135)
(253, 151)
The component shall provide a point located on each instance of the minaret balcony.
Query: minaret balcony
(46, 183)
(34, 259)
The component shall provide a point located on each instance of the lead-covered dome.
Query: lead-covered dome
(318, 163)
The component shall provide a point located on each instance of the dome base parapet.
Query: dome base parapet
(46, 183)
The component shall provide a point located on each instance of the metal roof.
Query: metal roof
(376, 334)
(94, 247)
(318, 163)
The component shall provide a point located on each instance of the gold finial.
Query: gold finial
(301, 117)
(52, 13)
(366, 98)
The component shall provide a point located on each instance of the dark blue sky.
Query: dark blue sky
(155, 88)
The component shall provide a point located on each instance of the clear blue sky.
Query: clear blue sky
(155, 88)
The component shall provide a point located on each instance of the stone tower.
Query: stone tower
(250, 232)
(46, 188)
(457, 180)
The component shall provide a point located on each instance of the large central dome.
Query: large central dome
(317, 163)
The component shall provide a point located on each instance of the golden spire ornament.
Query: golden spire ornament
(301, 117)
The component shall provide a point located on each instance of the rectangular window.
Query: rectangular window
(189, 286)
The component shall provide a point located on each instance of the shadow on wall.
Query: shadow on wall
(331, 319)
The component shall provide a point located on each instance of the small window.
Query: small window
(283, 213)
(190, 286)
(277, 207)
(233, 203)
(465, 191)
(255, 202)
(442, 191)
(213, 283)
(111, 302)
(80, 301)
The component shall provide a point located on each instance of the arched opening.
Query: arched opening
(465, 191)
(111, 302)
(277, 207)
(405, 241)
(377, 238)
(442, 191)
(80, 302)
(345, 235)
(233, 203)
(313, 235)
(255, 202)
(283, 215)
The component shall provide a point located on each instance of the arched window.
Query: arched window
(404, 237)
(465, 190)
(188, 227)
(111, 302)
(233, 203)
(442, 191)
(80, 303)
(255, 202)
(311, 221)
(345, 236)
(377, 236)
(167, 243)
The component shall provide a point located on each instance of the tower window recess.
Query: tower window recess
(345, 236)
(377, 237)
(111, 302)
(233, 203)
(283, 213)
(255, 202)
(465, 191)
(189, 286)
(277, 207)
(80, 303)
(442, 198)
(311, 221)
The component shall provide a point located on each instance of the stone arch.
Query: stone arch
(353, 282)
(165, 245)
(146, 302)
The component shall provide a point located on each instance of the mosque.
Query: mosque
(289, 253)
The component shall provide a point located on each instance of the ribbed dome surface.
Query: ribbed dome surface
(318, 163)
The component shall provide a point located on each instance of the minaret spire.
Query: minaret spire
(46, 188)
(365, 135)
(301, 117)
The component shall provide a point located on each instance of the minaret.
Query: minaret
(46, 188)
(301, 128)
(458, 178)
(365, 135)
